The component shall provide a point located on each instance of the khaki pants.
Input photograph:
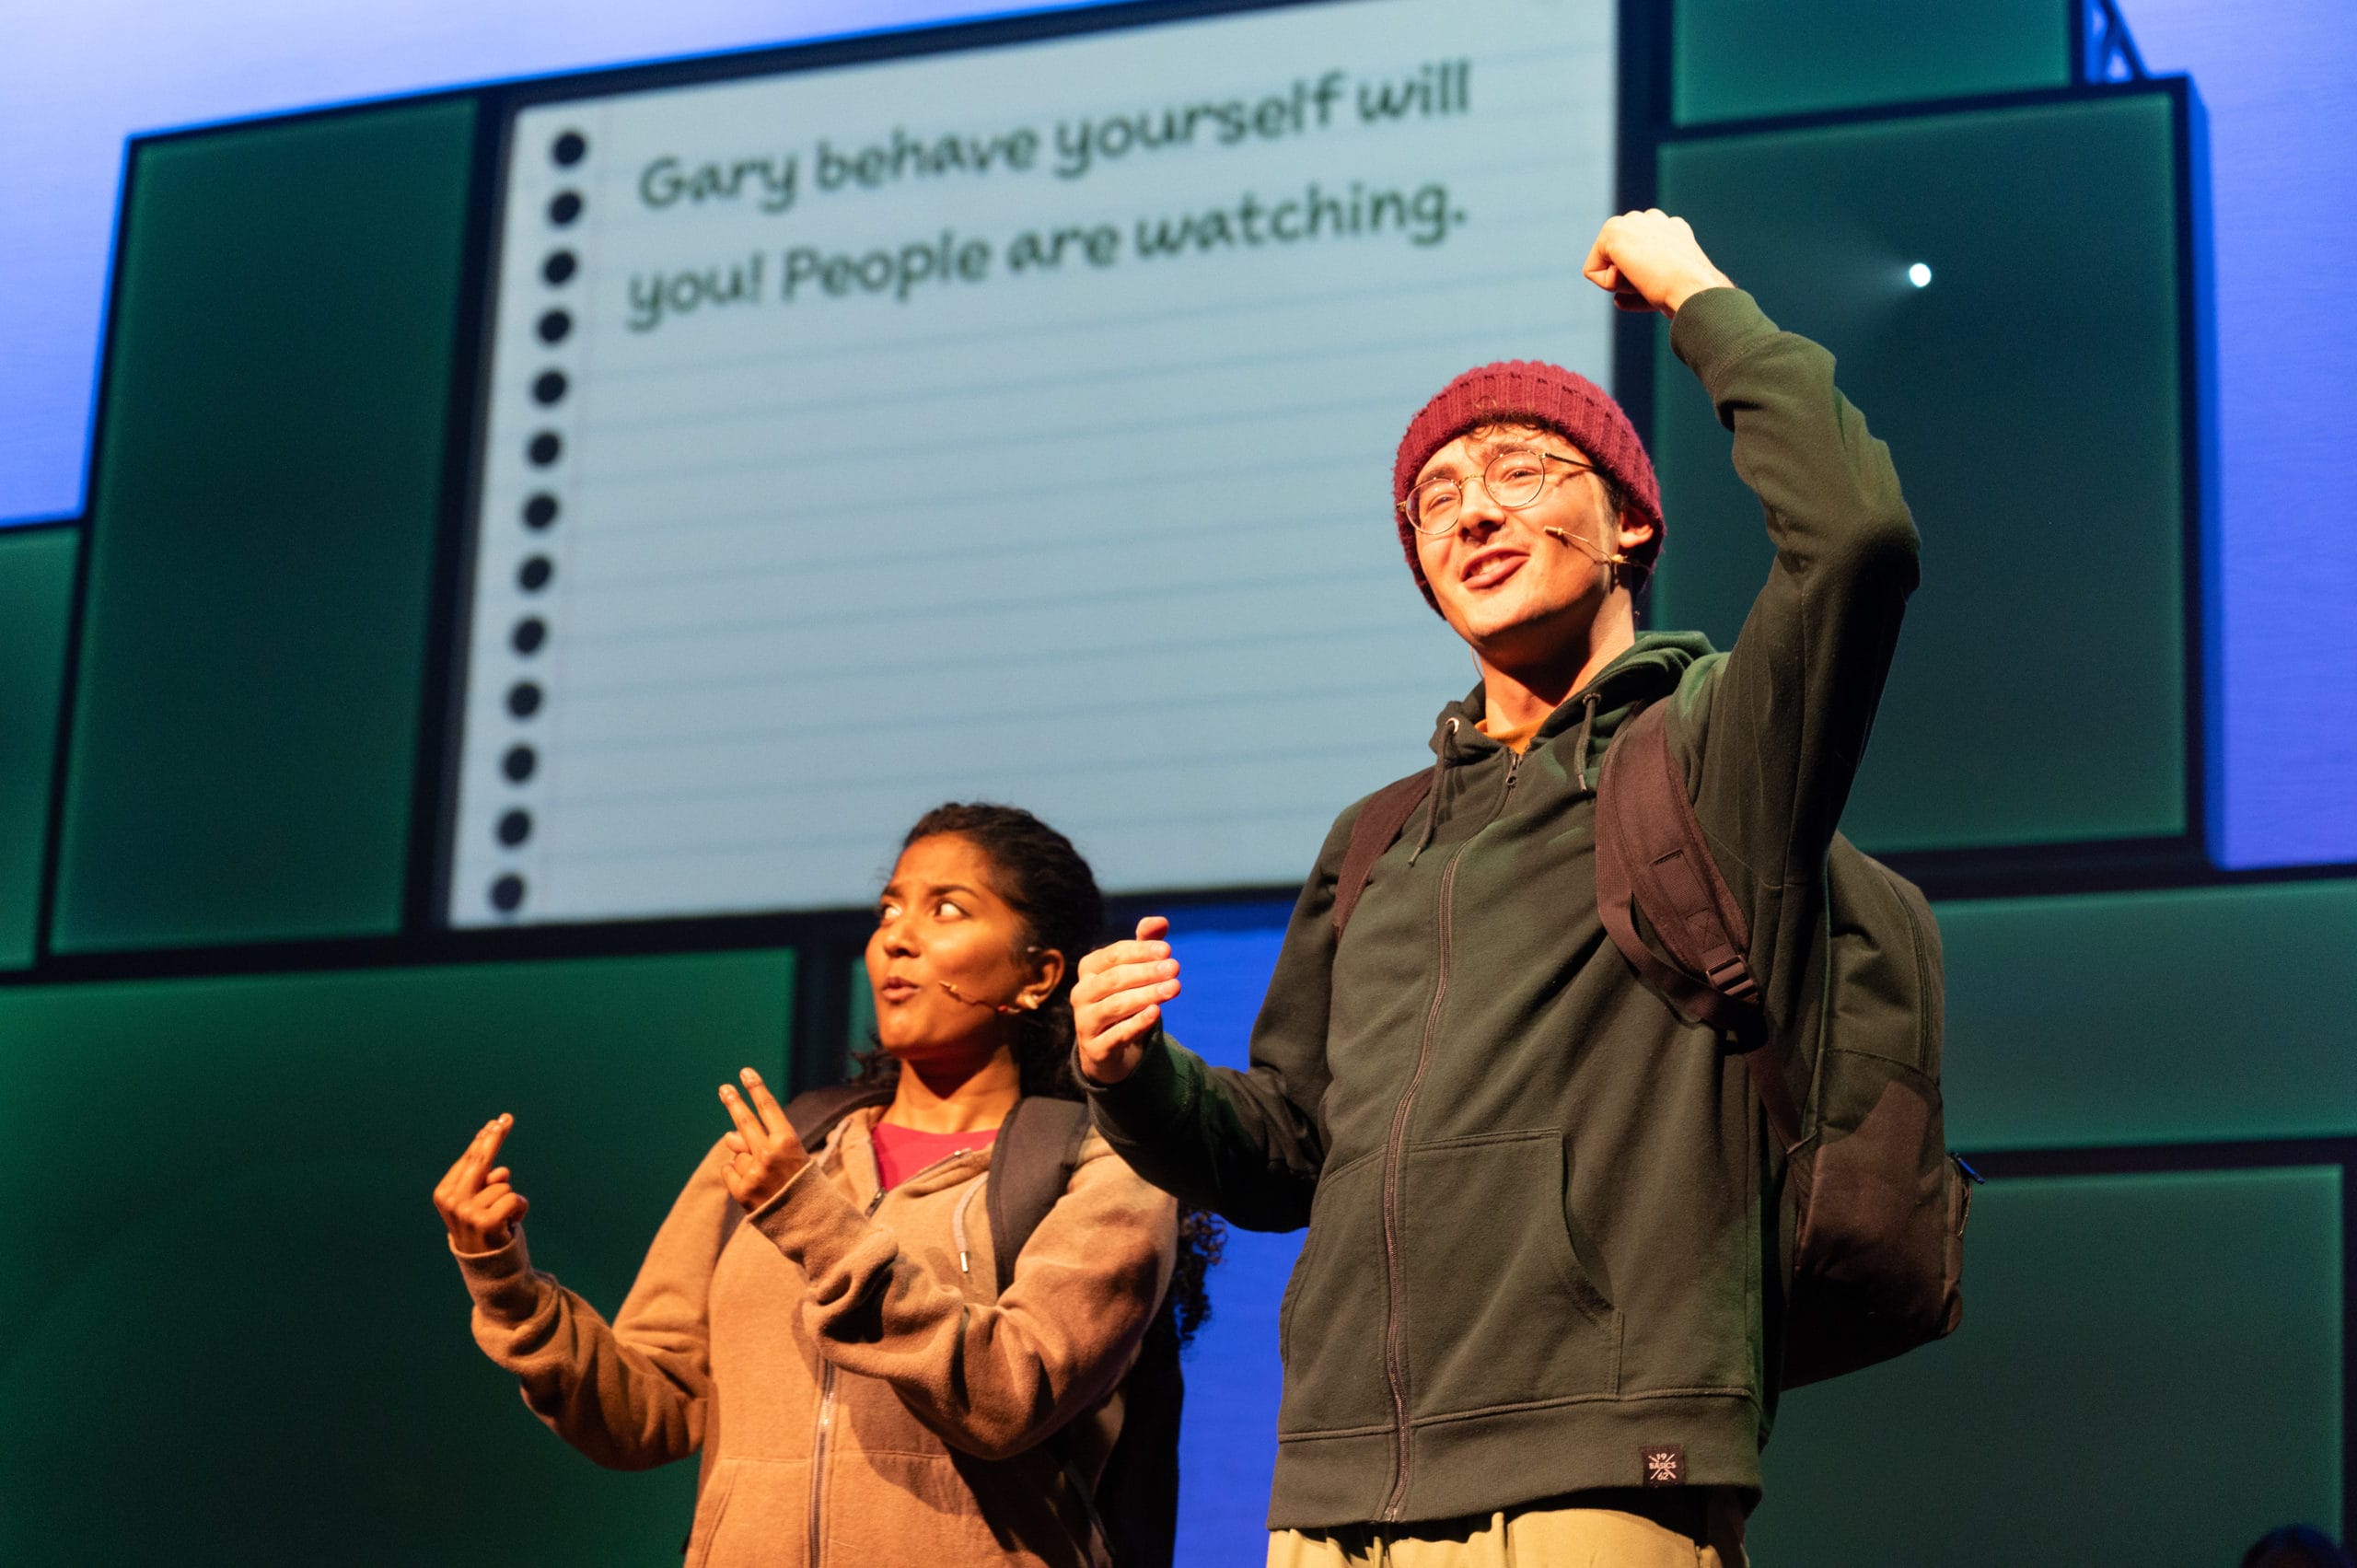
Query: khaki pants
(1709, 1534)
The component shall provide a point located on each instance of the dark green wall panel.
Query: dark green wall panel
(232, 1330)
(861, 1034)
(1736, 59)
(2148, 1372)
(36, 607)
(2151, 1018)
(263, 514)
(2030, 399)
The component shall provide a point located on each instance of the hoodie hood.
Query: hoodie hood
(1649, 670)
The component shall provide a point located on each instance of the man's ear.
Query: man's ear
(1047, 973)
(1636, 532)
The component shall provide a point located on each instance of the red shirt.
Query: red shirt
(901, 1151)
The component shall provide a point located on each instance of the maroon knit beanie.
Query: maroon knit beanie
(1527, 391)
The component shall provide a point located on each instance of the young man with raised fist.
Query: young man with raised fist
(1534, 1318)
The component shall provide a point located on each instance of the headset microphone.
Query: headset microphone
(978, 1002)
(1601, 558)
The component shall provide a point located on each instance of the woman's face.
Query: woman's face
(947, 952)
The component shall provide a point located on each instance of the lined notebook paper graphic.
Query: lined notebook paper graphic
(1010, 424)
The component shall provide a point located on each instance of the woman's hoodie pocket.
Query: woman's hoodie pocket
(752, 1512)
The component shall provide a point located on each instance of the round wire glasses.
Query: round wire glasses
(1514, 479)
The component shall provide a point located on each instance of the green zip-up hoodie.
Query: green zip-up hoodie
(1542, 1248)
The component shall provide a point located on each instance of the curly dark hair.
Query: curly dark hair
(1050, 887)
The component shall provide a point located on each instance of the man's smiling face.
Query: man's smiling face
(1509, 589)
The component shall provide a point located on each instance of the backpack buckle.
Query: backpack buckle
(1732, 976)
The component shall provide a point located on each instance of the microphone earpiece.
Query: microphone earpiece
(1606, 560)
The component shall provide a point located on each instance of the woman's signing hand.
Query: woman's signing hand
(766, 1152)
(478, 1203)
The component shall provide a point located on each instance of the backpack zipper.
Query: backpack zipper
(1393, 1371)
(826, 1428)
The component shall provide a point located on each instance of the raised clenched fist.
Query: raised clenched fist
(1650, 260)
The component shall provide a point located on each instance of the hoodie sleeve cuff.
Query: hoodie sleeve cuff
(501, 1281)
(1714, 329)
(1151, 1097)
(810, 1221)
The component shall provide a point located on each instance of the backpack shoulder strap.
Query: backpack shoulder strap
(1135, 1497)
(1031, 1164)
(1379, 821)
(1651, 857)
(814, 1112)
(1137, 1493)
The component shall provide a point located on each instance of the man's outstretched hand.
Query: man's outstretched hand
(1650, 262)
(1118, 1000)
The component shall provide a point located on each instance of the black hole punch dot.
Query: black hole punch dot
(559, 268)
(534, 573)
(556, 326)
(568, 147)
(508, 894)
(524, 699)
(515, 827)
(546, 447)
(564, 207)
(539, 511)
(550, 387)
(529, 634)
(518, 764)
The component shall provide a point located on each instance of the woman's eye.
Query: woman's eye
(947, 910)
(885, 911)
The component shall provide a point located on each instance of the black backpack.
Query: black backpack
(1874, 1206)
(1136, 1498)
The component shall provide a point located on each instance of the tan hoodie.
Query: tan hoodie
(858, 1389)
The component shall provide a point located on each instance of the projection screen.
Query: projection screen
(1009, 421)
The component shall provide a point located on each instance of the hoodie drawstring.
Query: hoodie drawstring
(958, 1228)
(1579, 746)
(1432, 796)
